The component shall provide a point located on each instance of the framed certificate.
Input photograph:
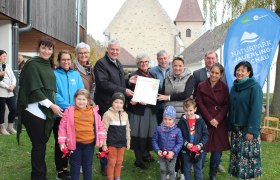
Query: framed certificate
(146, 90)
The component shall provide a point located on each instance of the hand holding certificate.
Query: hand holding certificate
(146, 90)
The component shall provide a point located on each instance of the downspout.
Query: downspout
(78, 20)
(17, 30)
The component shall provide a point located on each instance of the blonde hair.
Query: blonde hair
(188, 103)
(85, 93)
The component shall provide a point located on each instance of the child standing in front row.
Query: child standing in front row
(79, 128)
(167, 143)
(117, 131)
(195, 135)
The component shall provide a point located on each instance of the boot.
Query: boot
(11, 129)
(3, 130)
(212, 177)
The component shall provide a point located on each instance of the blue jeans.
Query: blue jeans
(215, 160)
(198, 171)
(82, 156)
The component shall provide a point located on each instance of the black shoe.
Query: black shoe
(140, 165)
(62, 176)
(149, 158)
(104, 170)
(67, 173)
(212, 177)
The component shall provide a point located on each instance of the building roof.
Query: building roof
(189, 12)
(126, 58)
(210, 40)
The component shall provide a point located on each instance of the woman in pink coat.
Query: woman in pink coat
(212, 99)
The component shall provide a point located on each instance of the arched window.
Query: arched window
(188, 33)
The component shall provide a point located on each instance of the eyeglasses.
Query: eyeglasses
(82, 53)
(142, 62)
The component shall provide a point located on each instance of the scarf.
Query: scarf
(145, 74)
(37, 82)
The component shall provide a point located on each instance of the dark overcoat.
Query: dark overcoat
(213, 102)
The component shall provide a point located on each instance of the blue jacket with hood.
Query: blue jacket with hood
(169, 138)
(67, 83)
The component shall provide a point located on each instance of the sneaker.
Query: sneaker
(182, 177)
(11, 129)
(168, 177)
(221, 168)
(67, 173)
(3, 130)
(62, 176)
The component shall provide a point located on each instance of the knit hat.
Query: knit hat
(170, 112)
(118, 95)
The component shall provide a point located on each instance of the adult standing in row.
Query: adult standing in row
(160, 71)
(109, 77)
(245, 119)
(68, 81)
(213, 104)
(7, 96)
(84, 67)
(178, 86)
(36, 106)
(142, 117)
(210, 58)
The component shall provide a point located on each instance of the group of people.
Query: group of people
(87, 105)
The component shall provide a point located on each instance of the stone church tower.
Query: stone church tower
(143, 26)
(189, 21)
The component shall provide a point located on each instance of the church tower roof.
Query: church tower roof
(189, 12)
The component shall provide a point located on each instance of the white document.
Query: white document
(146, 90)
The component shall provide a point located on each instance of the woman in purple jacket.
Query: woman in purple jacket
(212, 99)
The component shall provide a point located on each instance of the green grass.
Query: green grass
(15, 162)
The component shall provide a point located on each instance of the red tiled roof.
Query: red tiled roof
(189, 12)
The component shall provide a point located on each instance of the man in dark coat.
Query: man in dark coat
(211, 57)
(109, 79)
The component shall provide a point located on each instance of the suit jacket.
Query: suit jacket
(109, 78)
(199, 76)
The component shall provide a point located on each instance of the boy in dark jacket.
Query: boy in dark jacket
(167, 142)
(195, 135)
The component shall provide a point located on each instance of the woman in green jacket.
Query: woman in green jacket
(36, 104)
(244, 122)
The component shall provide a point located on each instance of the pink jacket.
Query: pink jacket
(67, 132)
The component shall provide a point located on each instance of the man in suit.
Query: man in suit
(109, 79)
(210, 58)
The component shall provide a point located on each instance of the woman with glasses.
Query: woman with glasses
(142, 117)
(84, 67)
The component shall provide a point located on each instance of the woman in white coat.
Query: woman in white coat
(7, 85)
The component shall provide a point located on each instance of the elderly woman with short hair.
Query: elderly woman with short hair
(142, 117)
(83, 66)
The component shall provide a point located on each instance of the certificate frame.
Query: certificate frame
(146, 90)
